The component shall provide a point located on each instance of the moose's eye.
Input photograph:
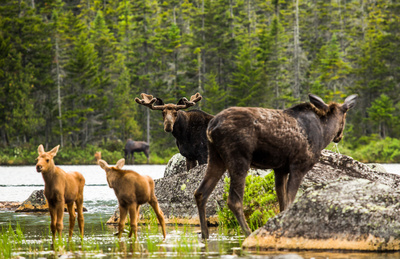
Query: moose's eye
(47, 160)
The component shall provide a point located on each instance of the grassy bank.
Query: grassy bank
(67, 155)
(370, 149)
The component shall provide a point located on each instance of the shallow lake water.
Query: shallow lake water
(18, 182)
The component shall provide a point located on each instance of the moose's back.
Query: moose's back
(269, 138)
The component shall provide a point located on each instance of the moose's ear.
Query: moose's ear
(103, 164)
(159, 101)
(54, 151)
(120, 163)
(318, 102)
(350, 102)
(40, 149)
(182, 101)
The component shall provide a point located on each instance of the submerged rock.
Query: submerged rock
(37, 202)
(345, 205)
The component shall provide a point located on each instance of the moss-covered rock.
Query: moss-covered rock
(345, 205)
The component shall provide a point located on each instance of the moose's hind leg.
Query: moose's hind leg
(238, 173)
(215, 169)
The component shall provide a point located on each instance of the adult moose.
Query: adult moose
(289, 141)
(61, 188)
(188, 127)
(136, 146)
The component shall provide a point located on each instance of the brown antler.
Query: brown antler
(148, 101)
(193, 100)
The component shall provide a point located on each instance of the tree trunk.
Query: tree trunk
(296, 87)
(59, 93)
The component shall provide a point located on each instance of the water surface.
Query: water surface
(18, 182)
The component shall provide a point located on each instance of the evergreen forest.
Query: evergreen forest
(71, 69)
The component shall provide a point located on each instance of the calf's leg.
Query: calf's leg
(133, 214)
(122, 217)
(60, 216)
(215, 169)
(160, 215)
(71, 211)
(53, 220)
(79, 208)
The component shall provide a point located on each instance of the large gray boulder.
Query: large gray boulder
(343, 205)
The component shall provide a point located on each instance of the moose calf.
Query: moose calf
(132, 190)
(61, 188)
(289, 141)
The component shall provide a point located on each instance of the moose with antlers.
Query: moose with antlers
(188, 127)
(289, 141)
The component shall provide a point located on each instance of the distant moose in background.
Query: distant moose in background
(188, 127)
(136, 146)
(289, 141)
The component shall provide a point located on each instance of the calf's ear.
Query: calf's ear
(120, 163)
(40, 149)
(350, 102)
(103, 164)
(54, 151)
(318, 102)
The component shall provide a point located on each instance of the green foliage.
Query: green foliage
(93, 59)
(259, 202)
(111, 151)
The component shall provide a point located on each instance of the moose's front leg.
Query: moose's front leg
(295, 178)
(190, 164)
(281, 179)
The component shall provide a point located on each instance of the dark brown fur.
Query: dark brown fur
(61, 188)
(136, 146)
(188, 127)
(132, 190)
(288, 141)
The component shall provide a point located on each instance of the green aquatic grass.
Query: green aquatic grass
(182, 241)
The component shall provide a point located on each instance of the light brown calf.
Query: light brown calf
(132, 190)
(61, 188)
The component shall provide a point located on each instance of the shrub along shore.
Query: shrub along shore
(369, 149)
(68, 155)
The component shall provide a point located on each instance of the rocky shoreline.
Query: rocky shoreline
(9, 205)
